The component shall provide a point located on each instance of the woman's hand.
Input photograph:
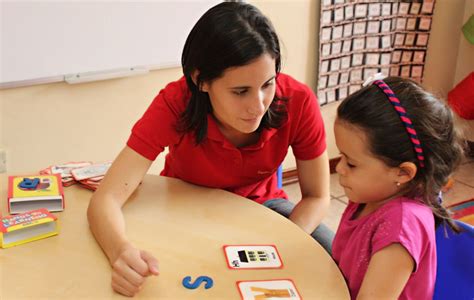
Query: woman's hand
(130, 270)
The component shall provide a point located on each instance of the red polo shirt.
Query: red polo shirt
(248, 171)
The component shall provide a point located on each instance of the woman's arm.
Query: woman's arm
(388, 272)
(130, 265)
(313, 178)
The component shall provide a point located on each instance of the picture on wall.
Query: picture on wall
(359, 38)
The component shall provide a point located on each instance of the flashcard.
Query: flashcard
(344, 78)
(349, 12)
(339, 14)
(322, 98)
(427, 7)
(327, 2)
(358, 44)
(268, 289)
(425, 24)
(416, 71)
(372, 59)
(394, 71)
(422, 39)
(360, 27)
(348, 30)
(373, 42)
(333, 79)
(346, 46)
(342, 92)
(419, 57)
(252, 257)
(411, 24)
(385, 59)
(336, 48)
(331, 95)
(323, 82)
(386, 25)
(373, 27)
(356, 75)
(357, 59)
(337, 32)
(361, 10)
(396, 55)
(401, 23)
(403, 8)
(345, 62)
(405, 71)
(399, 39)
(410, 39)
(326, 34)
(326, 49)
(374, 9)
(386, 41)
(386, 9)
(324, 66)
(406, 56)
(415, 8)
(326, 17)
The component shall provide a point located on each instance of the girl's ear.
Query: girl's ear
(406, 172)
(203, 86)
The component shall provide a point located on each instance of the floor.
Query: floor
(462, 189)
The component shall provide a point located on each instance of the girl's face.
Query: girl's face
(365, 178)
(242, 95)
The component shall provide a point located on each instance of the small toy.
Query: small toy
(187, 282)
(29, 184)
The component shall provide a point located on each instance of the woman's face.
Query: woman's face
(242, 95)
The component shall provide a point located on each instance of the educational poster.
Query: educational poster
(359, 38)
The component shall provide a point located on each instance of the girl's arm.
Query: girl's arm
(130, 265)
(388, 272)
(313, 178)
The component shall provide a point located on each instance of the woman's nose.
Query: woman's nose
(257, 106)
(339, 168)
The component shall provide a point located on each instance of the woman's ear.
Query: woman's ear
(406, 172)
(203, 86)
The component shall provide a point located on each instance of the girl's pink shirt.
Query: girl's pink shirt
(402, 220)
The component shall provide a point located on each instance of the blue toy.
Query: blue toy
(187, 282)
(29, 184)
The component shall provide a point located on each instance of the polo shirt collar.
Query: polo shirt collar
(215, 134)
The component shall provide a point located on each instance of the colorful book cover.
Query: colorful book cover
(27, 227)
(26, 193)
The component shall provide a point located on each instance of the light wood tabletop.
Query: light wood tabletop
(185, 227)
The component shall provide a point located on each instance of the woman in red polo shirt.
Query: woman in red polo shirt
(228, 124)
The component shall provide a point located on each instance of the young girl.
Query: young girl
(228, 123)
(398, 147)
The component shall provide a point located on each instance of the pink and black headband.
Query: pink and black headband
(377, 80)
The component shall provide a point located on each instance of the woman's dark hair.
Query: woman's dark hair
(370, 110)
(227, 35)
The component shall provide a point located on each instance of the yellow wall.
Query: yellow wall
(54, 123)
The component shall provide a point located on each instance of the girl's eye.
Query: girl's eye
(350, 165)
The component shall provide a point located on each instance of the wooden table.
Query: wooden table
(185, 227)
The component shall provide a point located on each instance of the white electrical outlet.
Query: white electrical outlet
(3, 161)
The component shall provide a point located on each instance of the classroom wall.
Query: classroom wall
(54, 123)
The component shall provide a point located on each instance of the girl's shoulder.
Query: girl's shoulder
(408, 212)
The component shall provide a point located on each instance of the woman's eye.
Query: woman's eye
(240, 93)
(350, 165)
(268, 84)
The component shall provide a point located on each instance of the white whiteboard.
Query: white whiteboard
(42, 41)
